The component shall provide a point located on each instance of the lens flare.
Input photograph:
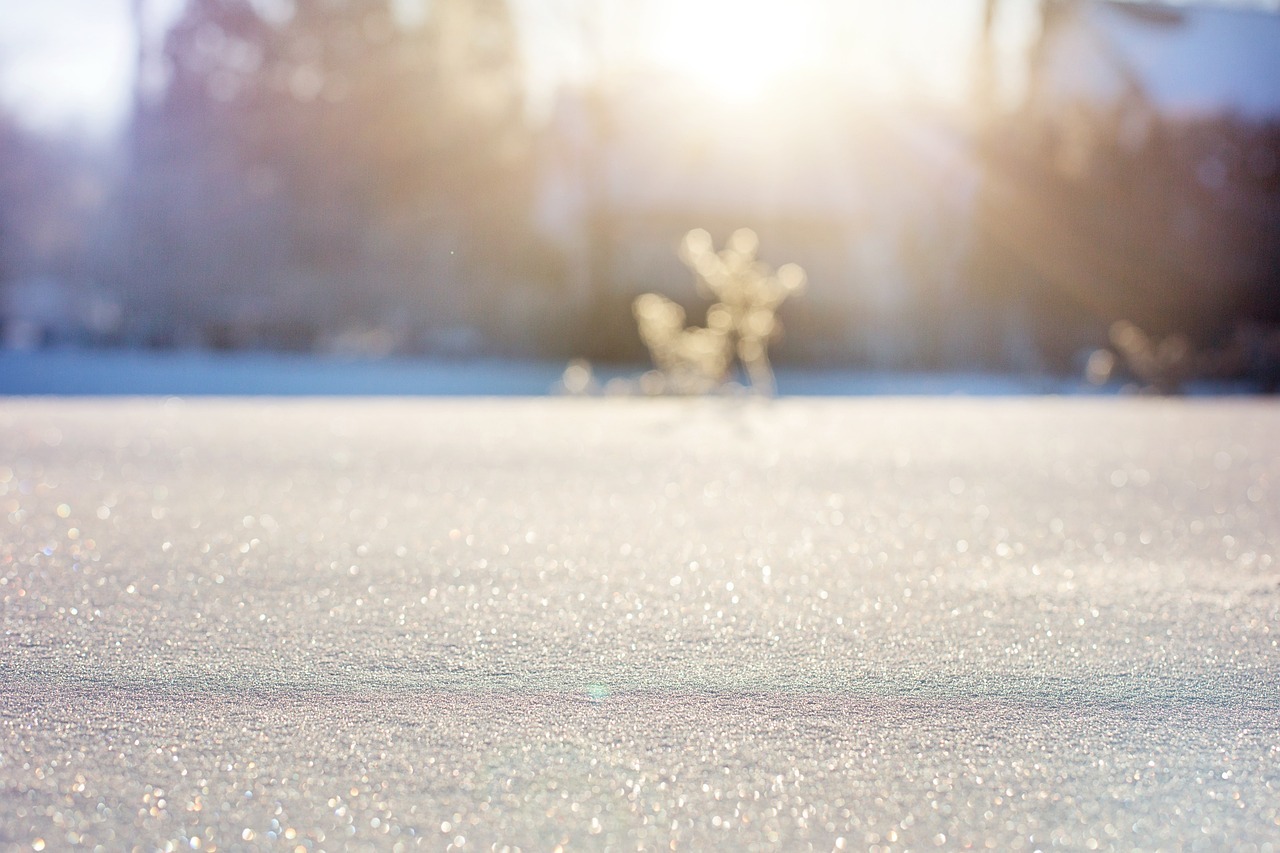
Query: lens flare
(736, 50)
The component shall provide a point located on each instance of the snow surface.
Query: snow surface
(201, 374)
(196, 373)
(874, 624)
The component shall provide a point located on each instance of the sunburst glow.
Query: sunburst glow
(736, 49)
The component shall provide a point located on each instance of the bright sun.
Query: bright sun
(735, 48)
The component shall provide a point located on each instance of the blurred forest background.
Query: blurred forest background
(380, 177)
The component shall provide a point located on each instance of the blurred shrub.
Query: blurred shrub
(740, 324)
(1166, 366)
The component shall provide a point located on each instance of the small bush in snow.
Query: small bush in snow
(740, 324)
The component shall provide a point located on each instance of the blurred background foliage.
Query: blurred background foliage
(343, 171)
(377, 177)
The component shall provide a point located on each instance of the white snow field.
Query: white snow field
(80, 372)
(637, 624)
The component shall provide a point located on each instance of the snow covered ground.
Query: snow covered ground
(134, 373)
(853, 624)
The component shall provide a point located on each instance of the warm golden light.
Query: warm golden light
(736, 49)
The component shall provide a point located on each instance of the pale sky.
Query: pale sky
(69, 63)
(61, 60)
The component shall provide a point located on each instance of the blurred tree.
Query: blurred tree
(1104, 202)
(598, 32)
(50, 191)
(336, 166)
(11, 149)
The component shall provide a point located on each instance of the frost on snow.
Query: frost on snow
(1012, 624)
